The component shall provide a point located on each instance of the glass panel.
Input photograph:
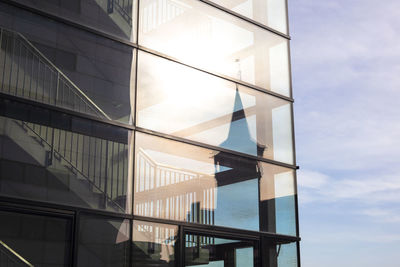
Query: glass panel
(103, 242)
(268, 12)
(54, 64)
(182, 182)
(278, 200)
(280, 255)
(116, 17)
(54, 157)
(154, 244)
(209, 38)
(217, 252)
(34, 239)
(184, 102)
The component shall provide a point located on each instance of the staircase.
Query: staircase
(120, 12)
(25, 72)
(92, 168)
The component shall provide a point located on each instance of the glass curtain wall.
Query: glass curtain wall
(146, 133)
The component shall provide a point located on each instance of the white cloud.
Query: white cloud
(311, 179)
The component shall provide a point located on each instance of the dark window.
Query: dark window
(103, 242)
(201, 250)
(34, 239)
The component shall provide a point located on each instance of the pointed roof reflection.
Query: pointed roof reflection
(239, 137)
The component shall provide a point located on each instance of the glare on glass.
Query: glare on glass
(178, 100)
(177, 181)
(268, 12)
(206, 37)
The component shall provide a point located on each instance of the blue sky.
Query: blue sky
(346, 82)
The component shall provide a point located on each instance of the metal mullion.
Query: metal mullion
(221, 76)
(63, 208)
(75, 240)
(143, 130)
(247, 19)
(207, 146)
(242, 233)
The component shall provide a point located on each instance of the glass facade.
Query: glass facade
(146, 133)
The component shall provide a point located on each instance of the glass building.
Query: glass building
(146, 133)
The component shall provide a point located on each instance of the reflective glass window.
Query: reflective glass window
(55, 64)
(34, 240)
(182, 182)
(209, 38)
(154, 244)
(116, 17)
(268, 12)
(278, 200)
(57, 158)
(103, 242)
(279, 254)
(219, 252)
(181, 101)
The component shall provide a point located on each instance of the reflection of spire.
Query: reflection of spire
(239, 137)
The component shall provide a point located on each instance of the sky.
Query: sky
(346, 83)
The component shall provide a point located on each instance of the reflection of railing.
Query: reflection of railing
(103, 164)
(158, 12)
(168, 192)
(27, 73)
(124, 8)
(10, 258)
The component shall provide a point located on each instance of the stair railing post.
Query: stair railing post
(106, 177)
(57, 87)
(110, 6)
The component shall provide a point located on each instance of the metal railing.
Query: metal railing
(25, 72)
(10, 258)
(102, 163)
(123, 7)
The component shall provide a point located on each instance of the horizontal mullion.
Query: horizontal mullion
(216, 148)
(24, 205)
(143, 130)
(41, 206)
(252, 21)
(228, 78)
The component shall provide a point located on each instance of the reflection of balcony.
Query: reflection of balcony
(173, 193)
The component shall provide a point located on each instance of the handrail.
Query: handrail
(72, 165)
(62, 74)
(121, 9)
(43, 57)
(14, 253)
